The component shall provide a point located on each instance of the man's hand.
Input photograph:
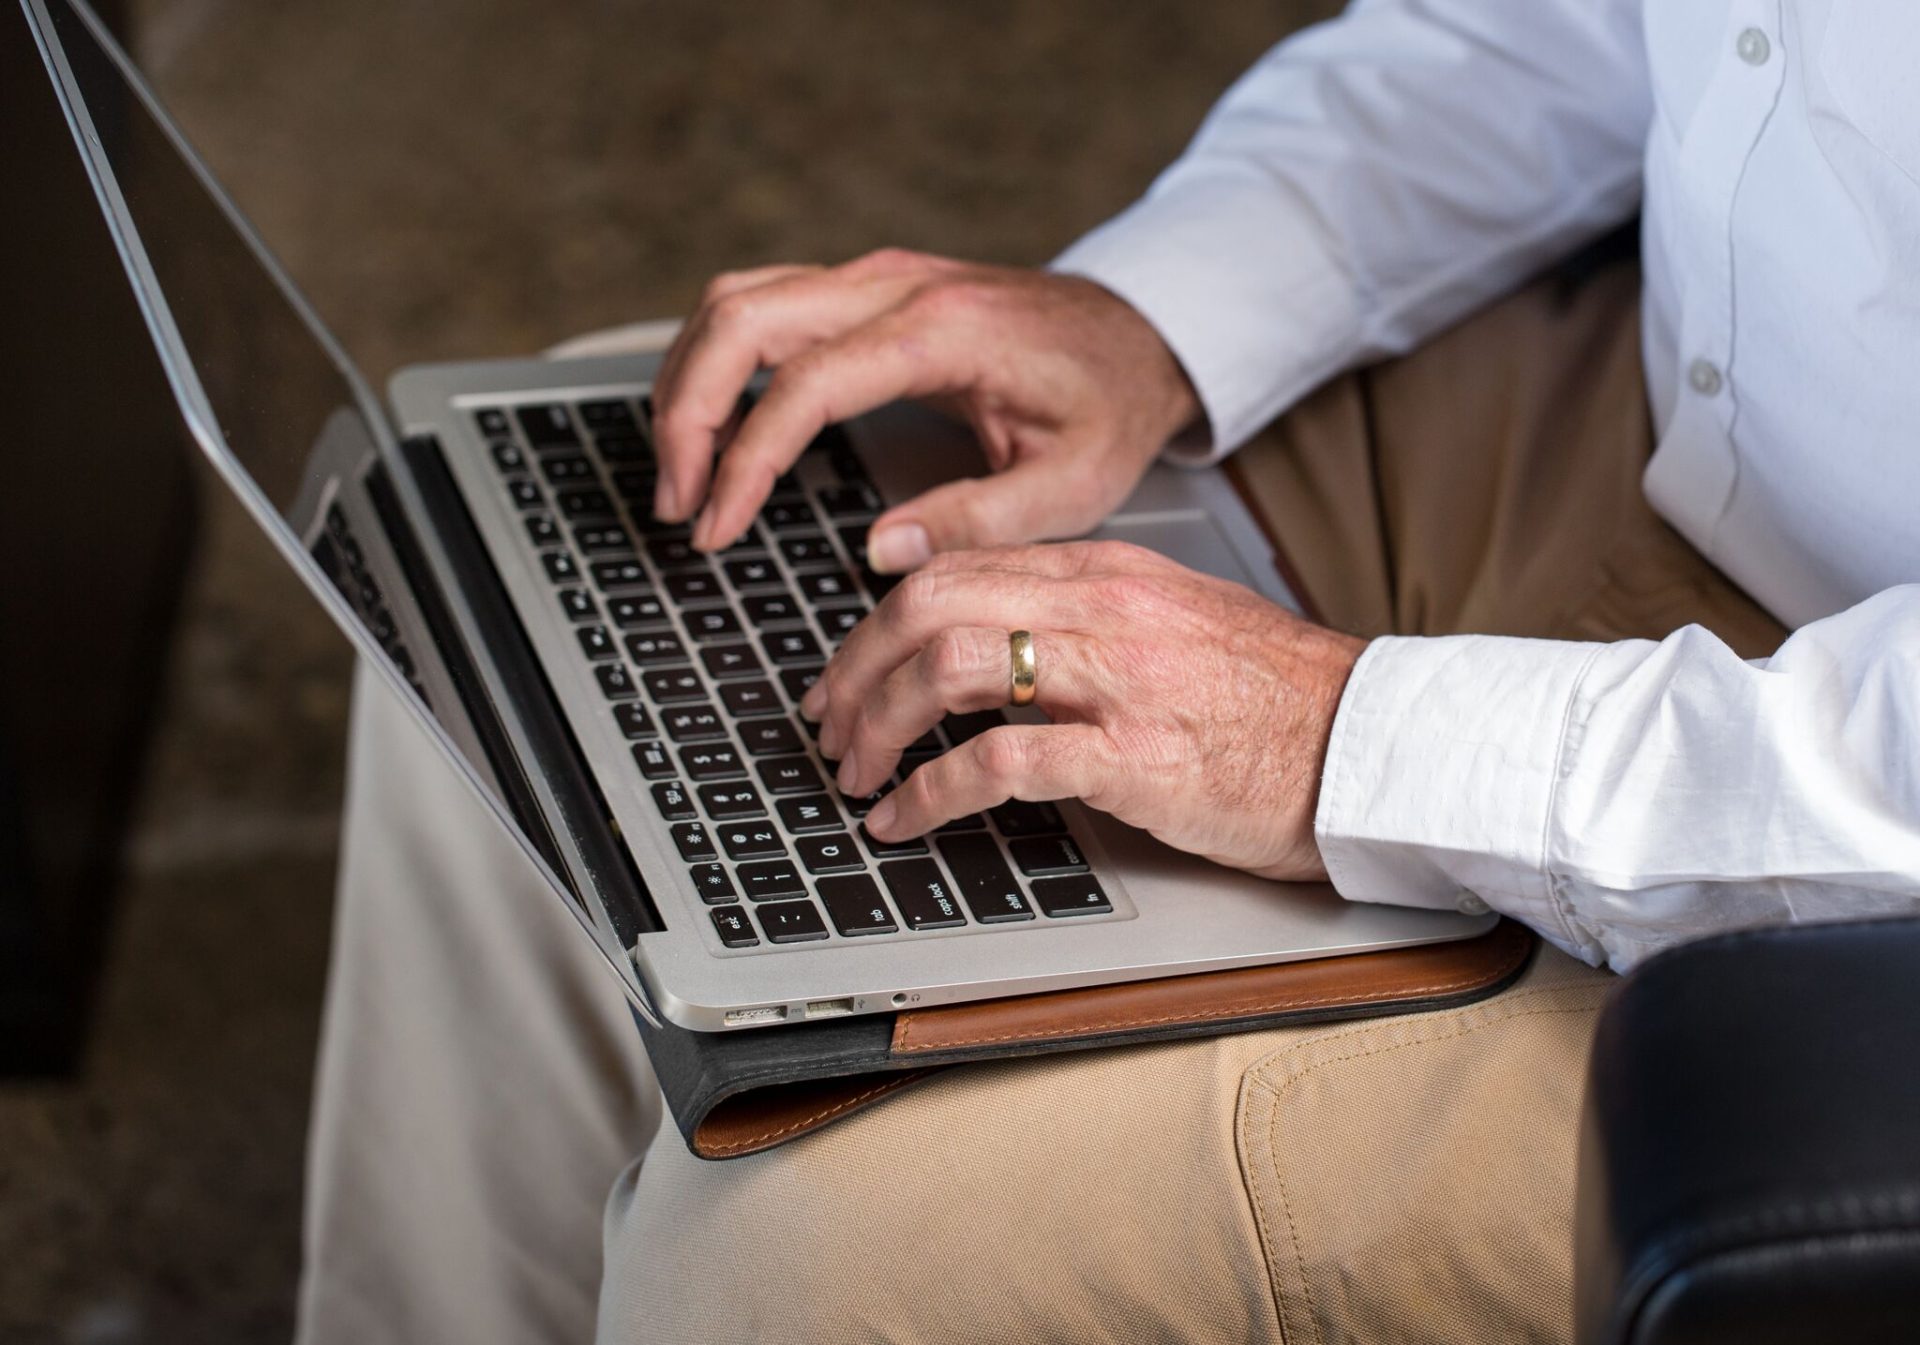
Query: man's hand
(1070, 390)
(1179, 703)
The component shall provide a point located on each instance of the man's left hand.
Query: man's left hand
(1179, 703)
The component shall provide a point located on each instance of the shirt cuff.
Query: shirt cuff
(1258, 315)
(1441, 775)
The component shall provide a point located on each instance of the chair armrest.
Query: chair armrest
(1750, 1151)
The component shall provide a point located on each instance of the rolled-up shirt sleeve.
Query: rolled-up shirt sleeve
(1621, 798)
(1370, 180)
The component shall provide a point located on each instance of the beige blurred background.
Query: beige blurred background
(452, 179)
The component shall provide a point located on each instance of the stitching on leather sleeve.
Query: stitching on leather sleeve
(821, 1117)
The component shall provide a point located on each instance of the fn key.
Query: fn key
(1079, 895)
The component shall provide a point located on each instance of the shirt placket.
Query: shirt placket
(1693, 476)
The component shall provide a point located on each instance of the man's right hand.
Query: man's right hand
(1069, 389)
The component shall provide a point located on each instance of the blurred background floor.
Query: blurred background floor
(468, 179)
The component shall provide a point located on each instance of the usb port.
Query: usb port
(773, 1013)
(829, 1008)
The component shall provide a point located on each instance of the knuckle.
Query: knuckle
(730, 312)
(952, 659)
(1002, 754)
(1131, 595)
(916, 597)
(946, 299)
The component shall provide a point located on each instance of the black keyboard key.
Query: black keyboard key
(672, 553)
(630, 610)
(1044, 856)
(851, 500)
(752, 572)
(771, 878)
(863, 804)
(1018, 818)
(798, 681)
(921, 892)
(855, 906)
(853, 537)
(635, 722)
(694, 586)
(770, 737)
(832, 853)
(665, 686)
(962, 728)
(559, 566)
(712, 763)
(711, 623)
(751, 840)
(786, 515)
(912, 761)
(892, 849)
(567, 469)
(597, 539)
(725, 661)
(791, 646)
(694, 841)
(652, 760)
(985, 882)
(547, 426)
(735, 930)
(1079, 895)
(595, 643)
(618, 450)
(673, 801)
(652, 650)
(615, 682)
(827, 586)
(524, 493)
(791, 922)
(577, 603)
(492, 422)
(508, 457)
(543, 531)
(839, 622)
(713, 882)
(772, 609)
(584, 502)
(970, 822)
(808, 812)
(614, 574)
(693, 723)
(636, 488)
(788, 775)
(608, 415)
(725, 802)
(807, 551)
(750, 698)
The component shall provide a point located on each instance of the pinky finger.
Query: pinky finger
(1044, 761)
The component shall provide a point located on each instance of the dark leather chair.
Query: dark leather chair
(1750, 1155)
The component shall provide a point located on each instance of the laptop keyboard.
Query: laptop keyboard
(702, 663)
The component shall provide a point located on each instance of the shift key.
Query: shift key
(920, 891)
(989, 887)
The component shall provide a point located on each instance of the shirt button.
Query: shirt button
(1703, 378)
(1753, 47)
(1470, 905)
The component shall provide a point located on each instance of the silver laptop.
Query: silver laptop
(625, 706)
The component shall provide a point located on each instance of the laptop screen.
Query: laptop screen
(275, 404)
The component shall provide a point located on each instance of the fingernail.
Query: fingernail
(849, 772)
(882, 816)
(903, 547)
(703, 530)
(666, 502)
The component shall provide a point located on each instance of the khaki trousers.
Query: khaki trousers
(1404, 1179)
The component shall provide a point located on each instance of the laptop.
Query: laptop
(626, 707)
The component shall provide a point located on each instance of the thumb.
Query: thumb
(1056, 495)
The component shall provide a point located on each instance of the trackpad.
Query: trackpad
(1194, 539)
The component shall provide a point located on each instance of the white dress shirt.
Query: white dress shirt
(1376, 177)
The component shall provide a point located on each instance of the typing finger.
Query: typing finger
(1049, 761)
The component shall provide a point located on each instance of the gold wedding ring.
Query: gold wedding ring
(1026, 673)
